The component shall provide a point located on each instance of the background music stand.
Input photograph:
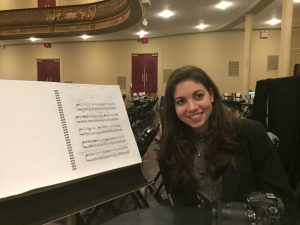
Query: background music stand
(296, 71)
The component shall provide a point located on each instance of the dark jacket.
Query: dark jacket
(258, 169)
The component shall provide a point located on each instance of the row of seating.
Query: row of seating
(143, 119)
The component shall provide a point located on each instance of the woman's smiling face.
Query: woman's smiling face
(193, 104)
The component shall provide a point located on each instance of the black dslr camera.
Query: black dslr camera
(260, 209)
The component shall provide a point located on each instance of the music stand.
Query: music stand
(58, 201)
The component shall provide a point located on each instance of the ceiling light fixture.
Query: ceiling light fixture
(202, 26)
(166, 13)
(144, 22)
(84, 36)
(33, 39)
(142, 33)
(224, 5)
(273, 22)
(146, 2)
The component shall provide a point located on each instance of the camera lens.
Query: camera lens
(233, 213)
(261, 209)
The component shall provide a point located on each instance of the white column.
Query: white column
(247, 54)
(285, 38)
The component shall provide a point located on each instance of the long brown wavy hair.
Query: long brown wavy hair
(178, 141)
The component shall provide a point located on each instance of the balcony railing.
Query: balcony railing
(100, 17)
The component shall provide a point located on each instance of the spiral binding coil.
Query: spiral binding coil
(65, 130)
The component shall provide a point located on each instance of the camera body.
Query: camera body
(260, 209)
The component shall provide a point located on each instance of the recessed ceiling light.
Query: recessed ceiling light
(224, 5)
(84, 36)
(202, 26)
(166, 13)
(33, 39)
(142, 33)
(273, 21)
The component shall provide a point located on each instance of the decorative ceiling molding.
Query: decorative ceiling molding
(94, 18)
(254, 8)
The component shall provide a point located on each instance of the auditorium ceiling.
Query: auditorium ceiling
(123, 19)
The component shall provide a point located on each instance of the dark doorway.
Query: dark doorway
(144, 73)
(48, 70)
(46, 3)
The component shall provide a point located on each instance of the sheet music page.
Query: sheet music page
(32, 147)
(99, 128)
(36, 149)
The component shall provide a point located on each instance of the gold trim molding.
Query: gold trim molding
(95, 18)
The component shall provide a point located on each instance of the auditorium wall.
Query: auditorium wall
(21, 4)
(102, 62)
(17, 4)
(295, 49)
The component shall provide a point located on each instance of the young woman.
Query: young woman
(209, 155)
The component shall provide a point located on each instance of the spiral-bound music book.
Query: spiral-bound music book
(56, 132)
